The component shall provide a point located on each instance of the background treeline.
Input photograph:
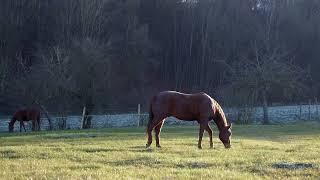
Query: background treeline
(66, 54)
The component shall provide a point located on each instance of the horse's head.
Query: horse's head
(225, 136)
(11, 123)
(10, 126)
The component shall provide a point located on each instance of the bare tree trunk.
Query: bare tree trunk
(83, 117)
(317, 110)
(300, 111)
(86, 118)
(139, 115)
(309, 110)
(48, 117)
(62, 122)
(265, 107)
(46, 114)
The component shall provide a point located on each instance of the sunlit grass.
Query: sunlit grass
(120, 154)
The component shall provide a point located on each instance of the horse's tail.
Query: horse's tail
(151, 115)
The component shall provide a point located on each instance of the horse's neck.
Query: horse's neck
(12, 121)
(218, 123)
(220, 120)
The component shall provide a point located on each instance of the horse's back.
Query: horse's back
(180, 97)
(33, 112)
(27, 113)
(20, 113)
(181, 105)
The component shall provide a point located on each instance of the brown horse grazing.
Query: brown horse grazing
(188, 107)
(26, 114)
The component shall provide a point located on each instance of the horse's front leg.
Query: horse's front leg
(209, 130)
(22, 125)
(33, 125)
(203, 125)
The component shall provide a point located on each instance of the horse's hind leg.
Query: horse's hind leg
(149, 134)
(22, 124)
(24, 127)
(33, 125)
(38, 123)
(150, 127)
(157, 130)
(203, 125)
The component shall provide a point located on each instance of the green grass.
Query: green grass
(120, 154)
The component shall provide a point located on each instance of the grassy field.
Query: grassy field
(120, 154)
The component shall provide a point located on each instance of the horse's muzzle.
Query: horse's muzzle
(227, 146)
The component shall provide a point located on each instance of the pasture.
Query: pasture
(120, 153)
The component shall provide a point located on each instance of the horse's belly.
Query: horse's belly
(184, 113)
(185, 118)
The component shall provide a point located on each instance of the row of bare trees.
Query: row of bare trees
(81, 54)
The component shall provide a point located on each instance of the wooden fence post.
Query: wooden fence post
(138, 124)
(309, 109)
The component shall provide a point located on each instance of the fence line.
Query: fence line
(277, 114)
(119, 109)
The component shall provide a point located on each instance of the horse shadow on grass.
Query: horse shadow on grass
(100, 150)
(141, 149)
(9, 154)
(73, 136)
(154, 149)
(174, 151)
(154, 163)
(84, 167)
(194, 165)
(140, 161)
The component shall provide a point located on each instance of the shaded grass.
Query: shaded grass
(119, 153)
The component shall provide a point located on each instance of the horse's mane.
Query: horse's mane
(220, 112)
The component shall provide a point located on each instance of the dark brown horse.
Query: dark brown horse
(26, 114)
(188, 107)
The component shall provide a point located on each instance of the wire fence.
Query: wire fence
(134, 117)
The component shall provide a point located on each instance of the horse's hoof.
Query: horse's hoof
(158, 146)
(148, 146)
(199, 147)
